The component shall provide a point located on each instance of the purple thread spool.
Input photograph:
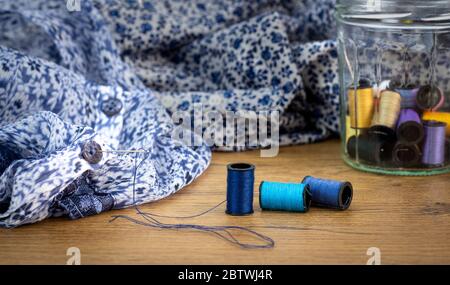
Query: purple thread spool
(434, 145)
(409, 127)
(408, 97)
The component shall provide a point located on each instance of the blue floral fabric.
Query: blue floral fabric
(86, 95)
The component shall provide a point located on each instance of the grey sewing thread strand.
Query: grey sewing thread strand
(187, 217)
(293, 228)
(216, 230)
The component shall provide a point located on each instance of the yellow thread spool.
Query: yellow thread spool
(388, 109)
(349, 132)
(438, 116)
(361, 106)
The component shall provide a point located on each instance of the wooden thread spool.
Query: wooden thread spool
(388, 109)
(361, 107)
(443, 117)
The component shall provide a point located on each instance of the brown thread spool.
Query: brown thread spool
(371, 149)
(406, 155)
(361, 106)
(429, 98)
(388, 109)
(447, 147)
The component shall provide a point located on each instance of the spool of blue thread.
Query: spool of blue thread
(408, 97)
(330, 193)
(295, 197)
(240, 180)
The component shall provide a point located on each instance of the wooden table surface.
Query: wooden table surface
(407, 218)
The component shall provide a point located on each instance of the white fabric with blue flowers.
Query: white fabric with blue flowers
(77, 87)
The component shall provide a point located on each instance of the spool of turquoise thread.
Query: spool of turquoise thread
(278, 196)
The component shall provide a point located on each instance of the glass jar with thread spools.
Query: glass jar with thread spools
(394, 71)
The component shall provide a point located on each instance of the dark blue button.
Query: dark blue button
(92, 152)
(111, 107)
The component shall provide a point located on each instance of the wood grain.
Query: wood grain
(407, 218)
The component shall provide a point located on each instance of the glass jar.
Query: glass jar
(394, 60)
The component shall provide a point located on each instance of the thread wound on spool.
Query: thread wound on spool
(361, 107)
(434, 143)
(409, 127)
(374, 146)
(240, 181)
(388, 109)
(408, 96)
(364, 83)
(447, 149)
(429, 98)
(406, 155)
(279, 196)
(380, 132)
(330, 193)
(438, 116)
(349, 131)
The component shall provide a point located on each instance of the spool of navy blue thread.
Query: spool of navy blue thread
(240, 180)
(329, 193)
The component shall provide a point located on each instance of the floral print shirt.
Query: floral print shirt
(87, 89)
